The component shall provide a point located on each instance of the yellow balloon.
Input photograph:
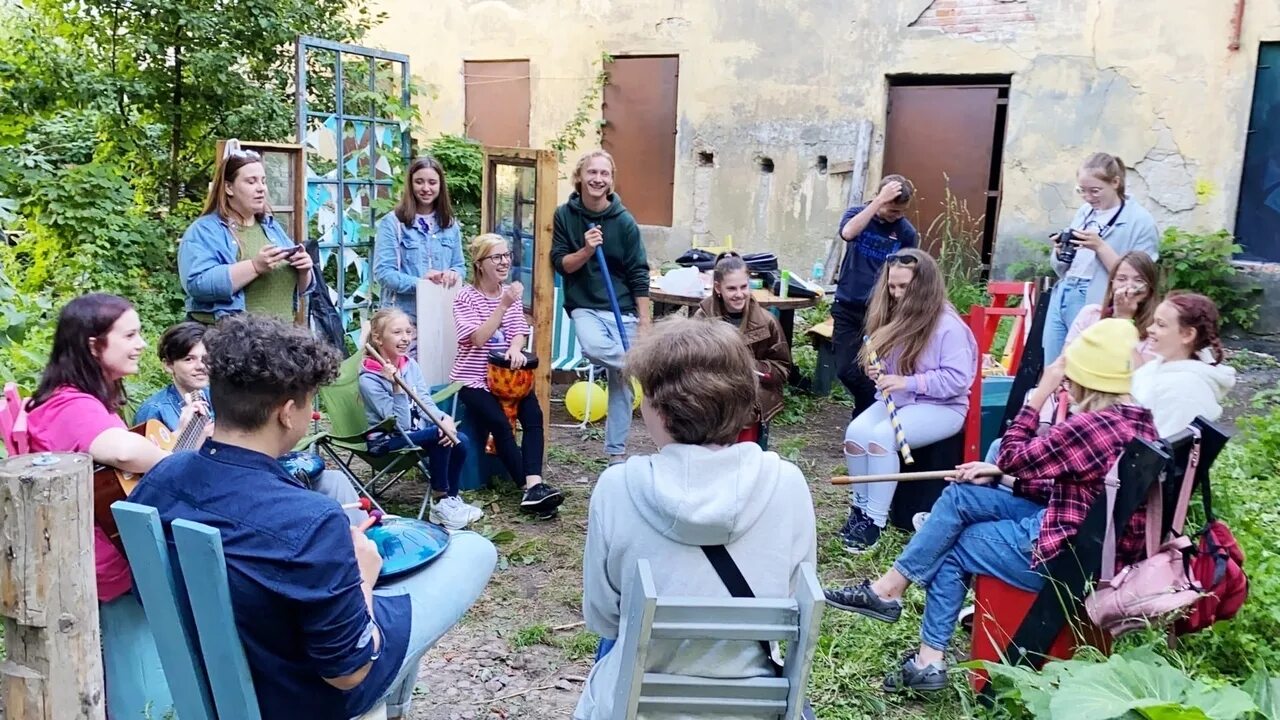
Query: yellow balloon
(576, 401)
(636, 393)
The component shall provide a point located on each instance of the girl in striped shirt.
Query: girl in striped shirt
(488, 315)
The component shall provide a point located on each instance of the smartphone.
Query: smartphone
(292, 251)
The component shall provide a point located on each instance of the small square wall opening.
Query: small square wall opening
(822, 164)
(706, 159)
(766, 165)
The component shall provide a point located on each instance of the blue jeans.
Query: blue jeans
(601, 343)
(870, 448)
(1068, 298)
(439, 594)
(444, 464)
(972, 530)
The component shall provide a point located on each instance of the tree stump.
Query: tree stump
(48, 589)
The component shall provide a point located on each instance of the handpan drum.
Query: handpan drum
(406, 545)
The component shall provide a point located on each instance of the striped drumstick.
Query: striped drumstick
(903, 447)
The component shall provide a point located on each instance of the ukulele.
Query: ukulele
(112, 484)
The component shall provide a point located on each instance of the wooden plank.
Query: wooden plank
(204, 569)
(170, 622)
(49, 589)
(841, 167)
(857, 188)
(544, 281)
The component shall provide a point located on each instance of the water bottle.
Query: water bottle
(818, 272)
(785, 284)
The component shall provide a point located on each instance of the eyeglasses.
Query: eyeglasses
(903, 259)
(1091, 192)
(499, 258)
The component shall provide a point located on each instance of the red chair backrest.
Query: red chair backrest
(13, 421)
(984, 321)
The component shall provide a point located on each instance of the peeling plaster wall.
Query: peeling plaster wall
(1149, 80)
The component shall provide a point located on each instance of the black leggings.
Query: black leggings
(485, 410)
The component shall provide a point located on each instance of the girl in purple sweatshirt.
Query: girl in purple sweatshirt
(929, 360)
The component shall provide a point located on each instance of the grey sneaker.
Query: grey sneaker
(617, 460)
(862, 537)
(918, 520)
(910, 676)
(452, 513)
(863, 600)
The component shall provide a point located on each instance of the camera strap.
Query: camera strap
(1102, 231)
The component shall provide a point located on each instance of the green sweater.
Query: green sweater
(623, 252)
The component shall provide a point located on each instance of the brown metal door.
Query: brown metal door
(640, 133)
(940, 136)
(497, 97)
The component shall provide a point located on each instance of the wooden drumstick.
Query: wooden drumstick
(903, 447)
(435, 415)
(907, 477)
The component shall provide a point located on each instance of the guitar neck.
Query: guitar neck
(191, 435)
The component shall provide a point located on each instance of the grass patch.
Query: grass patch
(531, 635)
(569, 456)
(579, 646)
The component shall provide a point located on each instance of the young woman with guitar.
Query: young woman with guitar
(97, 344)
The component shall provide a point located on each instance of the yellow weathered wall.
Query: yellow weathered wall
(1149, 80)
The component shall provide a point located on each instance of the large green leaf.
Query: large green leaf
(1265, 691)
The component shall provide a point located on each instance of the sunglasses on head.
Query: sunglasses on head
(901, 259)
(727, 254)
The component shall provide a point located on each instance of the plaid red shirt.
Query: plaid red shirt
(1073, 458)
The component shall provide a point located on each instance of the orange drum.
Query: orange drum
(509, 387)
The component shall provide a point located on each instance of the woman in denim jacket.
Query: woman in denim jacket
(419, 239)
(235, 257)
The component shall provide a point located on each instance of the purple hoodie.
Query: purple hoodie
(944, 370)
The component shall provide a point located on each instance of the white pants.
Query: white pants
(870, 448)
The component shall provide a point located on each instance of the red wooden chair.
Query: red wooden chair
(984, 321)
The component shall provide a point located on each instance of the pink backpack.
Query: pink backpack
(1159, 589)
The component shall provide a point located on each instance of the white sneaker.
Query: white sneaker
(450, 512)
(474, 512)
(918, 520)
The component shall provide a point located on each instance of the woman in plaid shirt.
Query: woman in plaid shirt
(975, 529)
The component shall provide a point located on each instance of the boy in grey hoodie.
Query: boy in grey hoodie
(699, 387)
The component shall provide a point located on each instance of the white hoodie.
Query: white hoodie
(1177, 392)
(662, 508)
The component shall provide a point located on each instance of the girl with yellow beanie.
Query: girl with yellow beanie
(978, 529)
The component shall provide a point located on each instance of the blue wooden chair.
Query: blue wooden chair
(188, 604)
(650, 617)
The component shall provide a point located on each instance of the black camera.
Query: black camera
(1066, 248)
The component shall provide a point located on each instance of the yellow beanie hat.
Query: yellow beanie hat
(1102, 357)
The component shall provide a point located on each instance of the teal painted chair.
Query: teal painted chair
(188, 604)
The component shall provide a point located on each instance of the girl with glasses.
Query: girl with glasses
(1108, 225)
(488, 315)
(929, 360)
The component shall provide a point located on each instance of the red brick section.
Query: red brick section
(970, 17)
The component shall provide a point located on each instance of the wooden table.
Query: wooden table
(787, 306)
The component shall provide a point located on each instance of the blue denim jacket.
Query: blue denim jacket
(205, 256)
(403, 255)
(166, 406)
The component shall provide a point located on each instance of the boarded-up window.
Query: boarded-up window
(498, 102)
(640, 133)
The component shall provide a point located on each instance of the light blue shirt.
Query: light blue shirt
(205, 256)
(403, 255)
(1134, 229)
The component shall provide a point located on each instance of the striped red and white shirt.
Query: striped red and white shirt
(470, 310)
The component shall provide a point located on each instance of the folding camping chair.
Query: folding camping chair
(345, 440)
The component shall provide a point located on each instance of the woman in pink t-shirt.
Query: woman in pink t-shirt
(488, 315)
(96, 345)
